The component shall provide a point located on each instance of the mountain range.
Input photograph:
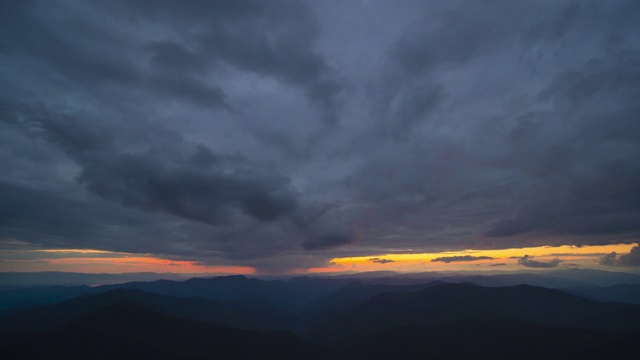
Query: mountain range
(236, 317)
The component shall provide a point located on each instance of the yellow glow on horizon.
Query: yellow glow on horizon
(497, 253)
(78, 251)
(506, 258)
(101, 261)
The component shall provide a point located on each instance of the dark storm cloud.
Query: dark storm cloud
(266, 39)
(567, 170)
(596, 196)
(381, 260)
(448, 259)
(614, 259)
(528, 262)
(205, 189)
(480, 30)
(604, 200)
(59, 220)
(145, 166)
(84, 54)
(206, 196)
(410, 107)
(330, 240)
(283, 133)
(506, 159)
(34, 214)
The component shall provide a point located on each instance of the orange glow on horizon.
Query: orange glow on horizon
(99, 261)
(135, 264)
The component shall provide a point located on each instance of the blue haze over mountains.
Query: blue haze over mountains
(316, 316)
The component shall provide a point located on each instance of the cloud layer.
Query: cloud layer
(529, 262)
(448, 259)
(281, 134)
(630, 259)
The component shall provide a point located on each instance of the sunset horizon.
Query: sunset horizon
(312, 179)
(486, 260)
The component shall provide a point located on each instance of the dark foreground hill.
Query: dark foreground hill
(451, 303)
(249, 313)
(129, 331)
(23, 297)
(358, 321)
(477, 339)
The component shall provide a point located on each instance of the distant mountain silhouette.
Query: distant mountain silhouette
(298, 293)
(128, 331)
(368, 275)
(287, 294)
(356, 308)
(626, 293)
(13, 280)
(39, 295)
(597, 277)
(545, 279)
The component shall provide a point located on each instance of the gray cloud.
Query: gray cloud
(207, 193)
(72, 51)
(630, 259)
(272, 40)
(528, 262)
(284, 133)
(330, 240)
(448, 259)
(482, 31)
(608, 259)
(381, 260)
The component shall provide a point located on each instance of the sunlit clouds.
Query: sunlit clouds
(545, 257)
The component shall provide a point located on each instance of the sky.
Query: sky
(275, 137)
